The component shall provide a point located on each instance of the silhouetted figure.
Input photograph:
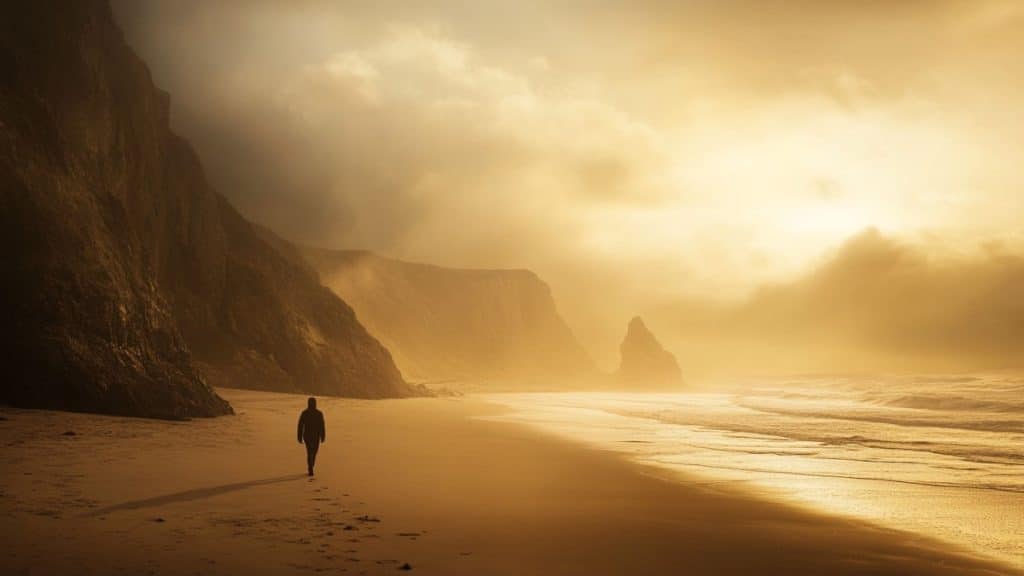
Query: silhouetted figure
(312, 431)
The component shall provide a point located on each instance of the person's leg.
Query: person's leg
(311, 448)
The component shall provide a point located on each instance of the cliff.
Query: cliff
(444, 323)
(644, 360)
(131, 282)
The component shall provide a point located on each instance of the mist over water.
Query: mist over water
(940, 456)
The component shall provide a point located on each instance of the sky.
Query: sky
(877, 303)
(632, 154)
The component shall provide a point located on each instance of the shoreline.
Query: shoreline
(429, 482)
(914, 470)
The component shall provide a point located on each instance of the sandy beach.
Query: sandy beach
(427, 485)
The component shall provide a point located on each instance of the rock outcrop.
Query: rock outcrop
(445, 323)
(644, 360)
(130, 282)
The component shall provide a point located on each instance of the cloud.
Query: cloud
(387, 143)
(827, 189)
(876, 303)
(628, 153)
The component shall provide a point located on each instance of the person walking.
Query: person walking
(312, 432)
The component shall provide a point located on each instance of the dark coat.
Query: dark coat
(311, 426)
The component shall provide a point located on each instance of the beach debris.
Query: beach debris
(367, 518)
(405, 567)
(70, 433)
(159, 519)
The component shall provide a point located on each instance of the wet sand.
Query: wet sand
(422, 482)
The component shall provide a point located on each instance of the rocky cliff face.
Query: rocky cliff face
(444, 323)
(124, 266)
(644, 360)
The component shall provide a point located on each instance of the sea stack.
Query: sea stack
(644, 360)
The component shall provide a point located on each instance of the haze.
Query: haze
(640, 158)
(569, 288)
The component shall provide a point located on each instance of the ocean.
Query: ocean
(939, 456)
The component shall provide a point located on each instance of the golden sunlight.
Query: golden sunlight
(517, 288)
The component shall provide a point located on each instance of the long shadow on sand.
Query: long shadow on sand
(197, 494)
